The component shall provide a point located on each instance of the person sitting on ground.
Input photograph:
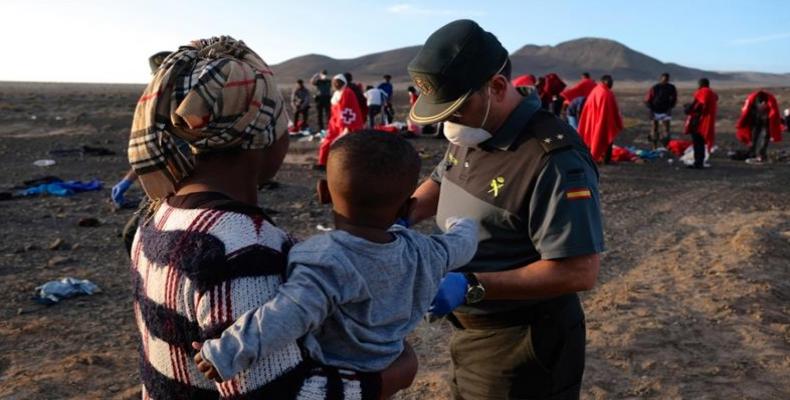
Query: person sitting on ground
(353, 294)
(600, 121)
(346, 117)
(701, 121)
(207, 253)
(758, 124)
(660, 100)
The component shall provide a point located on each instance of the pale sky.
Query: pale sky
(110, 41)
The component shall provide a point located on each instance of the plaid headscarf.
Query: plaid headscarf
(214, 94)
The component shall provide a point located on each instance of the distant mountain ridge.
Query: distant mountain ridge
(569, 59)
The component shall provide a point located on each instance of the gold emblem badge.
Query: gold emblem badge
(424, 85)
(496, 185)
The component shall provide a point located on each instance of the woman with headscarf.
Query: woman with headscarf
(206, 253)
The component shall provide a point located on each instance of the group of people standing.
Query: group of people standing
(343, 107)
(593, 110)
(228, 305)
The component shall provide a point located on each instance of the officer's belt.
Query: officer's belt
(506, 319)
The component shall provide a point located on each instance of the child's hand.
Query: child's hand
(450, 221)
(204, 366)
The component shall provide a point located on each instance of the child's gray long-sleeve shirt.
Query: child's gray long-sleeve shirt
(353, 301)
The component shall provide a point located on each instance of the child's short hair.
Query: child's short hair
(373, 168)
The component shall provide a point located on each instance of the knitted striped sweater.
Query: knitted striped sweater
(195, 271)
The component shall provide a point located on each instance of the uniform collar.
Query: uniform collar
(511, 129)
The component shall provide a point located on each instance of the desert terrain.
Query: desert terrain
(693, 299)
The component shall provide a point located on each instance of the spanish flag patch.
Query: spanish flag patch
(578, 194)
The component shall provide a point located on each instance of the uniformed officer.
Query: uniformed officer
(529, 180)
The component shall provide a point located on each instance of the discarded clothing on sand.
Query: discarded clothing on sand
(54, 291)
(44, 163)
(688, 157)
(62, 188)
(646, 154)
(622, 154)
(678, 147)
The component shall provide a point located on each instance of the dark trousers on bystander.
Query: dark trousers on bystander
(699, 149)
(760, 139)
(373, 112)
(322, 104)
(303, 115)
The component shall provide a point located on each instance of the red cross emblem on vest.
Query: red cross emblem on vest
(348, 115)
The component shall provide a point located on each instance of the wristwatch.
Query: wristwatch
(475, 292)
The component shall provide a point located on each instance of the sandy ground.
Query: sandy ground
(692, 300)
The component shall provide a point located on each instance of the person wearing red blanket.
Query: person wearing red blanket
(580, 89)
(346, 116)
(549, 89)
(600, 121)
(759, 123)
(701, 121)
(524, 80)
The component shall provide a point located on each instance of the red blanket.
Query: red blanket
(744, 125)
(621, 154)
(582, 88)
(346, 113)
(387, 128)
(600, 121)
(705, 107)
(524, 80)
(678, 147)
(551, 85)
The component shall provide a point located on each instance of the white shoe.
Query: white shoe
(755, 161)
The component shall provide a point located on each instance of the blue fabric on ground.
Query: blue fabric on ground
(645, 154)
(55, 291)
(63, 189)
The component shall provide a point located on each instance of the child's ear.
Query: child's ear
(322, 189)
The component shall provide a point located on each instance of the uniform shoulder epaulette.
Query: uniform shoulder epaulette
(551, 132)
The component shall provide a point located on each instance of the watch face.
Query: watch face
(475, 294)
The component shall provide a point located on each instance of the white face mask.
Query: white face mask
(467, 136)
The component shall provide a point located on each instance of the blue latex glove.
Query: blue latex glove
(452, 293)
(118, 191)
